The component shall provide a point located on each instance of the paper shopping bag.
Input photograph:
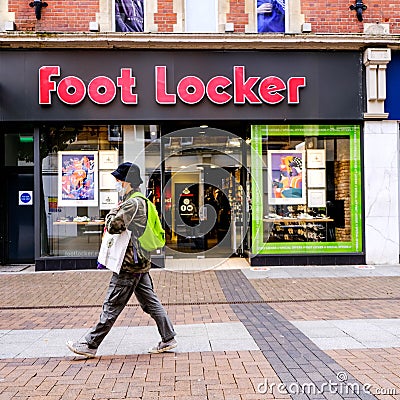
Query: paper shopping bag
(112, 250)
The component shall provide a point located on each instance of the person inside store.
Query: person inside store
(271, 16)
(134, 277)
(224, 215)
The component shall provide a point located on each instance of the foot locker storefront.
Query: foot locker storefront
(252, 154)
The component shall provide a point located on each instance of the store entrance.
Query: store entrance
(16, 205)
(203, 193)
(19, 224)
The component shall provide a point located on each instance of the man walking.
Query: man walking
(134, 276)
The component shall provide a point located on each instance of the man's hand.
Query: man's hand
(265, 8)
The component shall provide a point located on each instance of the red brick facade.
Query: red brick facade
(165, 18)
(325, 16)
(58, 16)
(336, 17)
(237, 15)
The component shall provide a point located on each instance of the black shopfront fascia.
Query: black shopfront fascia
(332, 93)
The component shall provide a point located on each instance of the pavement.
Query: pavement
(318, 332)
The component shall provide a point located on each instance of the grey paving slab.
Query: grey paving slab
(322, 331)
(135, 334)
(321, 272)
(227, 331)
(191, 330)
(25, 335)
(41, 350)
(11, 350)
(341, 343)
(381, 344)
(389, 325)
(352, 334)
(125, 340)
(192, 345)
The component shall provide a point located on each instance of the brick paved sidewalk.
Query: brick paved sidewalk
(72, 300)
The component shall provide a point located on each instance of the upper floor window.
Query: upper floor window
(129, 16)
(201, 16)
(270, 16)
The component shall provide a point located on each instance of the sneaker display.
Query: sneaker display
(81, 348)
(164, 346)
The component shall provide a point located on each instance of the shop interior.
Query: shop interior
(195, 177)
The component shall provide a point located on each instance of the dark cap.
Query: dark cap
(128, 172)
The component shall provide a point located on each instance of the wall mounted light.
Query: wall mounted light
(38, 4)
(359, 7)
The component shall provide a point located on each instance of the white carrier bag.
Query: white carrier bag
(113, 248)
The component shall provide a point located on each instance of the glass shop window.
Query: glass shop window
(271, 16)
(311, 190)
(201, 16)
(18, 149)
(129, 15)
(78, 189)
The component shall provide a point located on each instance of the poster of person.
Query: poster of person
(129, 16)
(270, 16)
(77, 178)
(286, 177)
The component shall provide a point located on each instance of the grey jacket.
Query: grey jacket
(130, 214)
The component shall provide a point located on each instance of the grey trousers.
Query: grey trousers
(119, 292)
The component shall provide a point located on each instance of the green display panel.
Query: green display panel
(261, 244)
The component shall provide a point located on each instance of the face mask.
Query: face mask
(118, 186)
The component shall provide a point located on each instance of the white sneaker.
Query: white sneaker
(164, 346)
(81, 348)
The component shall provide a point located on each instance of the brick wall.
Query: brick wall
(237, 15)
(58, 16)
(336, 17)
(165, 18)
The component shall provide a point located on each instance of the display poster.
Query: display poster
(316, 159)
(270, 16)
(108, 159)
(316, 198)
(77, 178)
(108, 200)
(316, 178)
(286, 177)
(129, 16)
(107, 181)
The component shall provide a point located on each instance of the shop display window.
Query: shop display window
(129, 15)
(201, 16)
(271, 16)
(306, 189)
(78, 189)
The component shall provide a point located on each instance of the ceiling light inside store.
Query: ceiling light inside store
(25, 139)
(234, 142)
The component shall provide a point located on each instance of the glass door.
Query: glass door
(203, 193)
(17, 220)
